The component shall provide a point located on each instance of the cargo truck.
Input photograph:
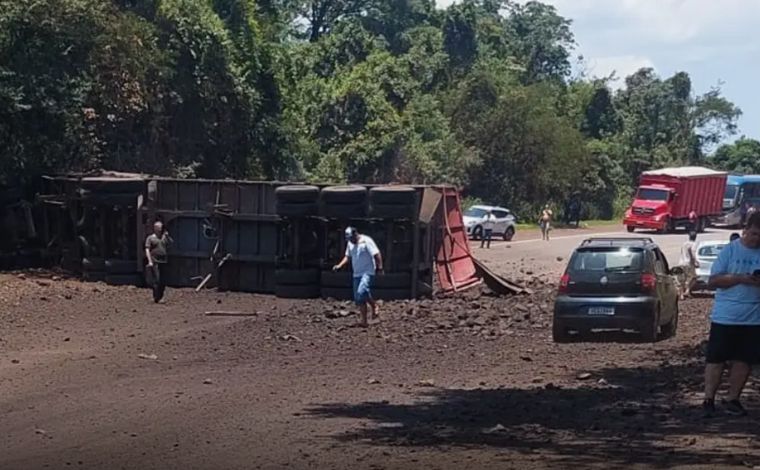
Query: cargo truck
(666, 198)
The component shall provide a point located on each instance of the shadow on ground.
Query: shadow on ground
(642, 415)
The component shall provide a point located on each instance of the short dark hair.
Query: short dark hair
(692, 235)
(753, 221)
(734, 236)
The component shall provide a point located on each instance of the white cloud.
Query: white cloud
(622, 65)
(712, 40)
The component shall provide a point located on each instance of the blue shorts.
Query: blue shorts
(362, 289)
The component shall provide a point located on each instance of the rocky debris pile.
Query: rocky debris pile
(477, 311)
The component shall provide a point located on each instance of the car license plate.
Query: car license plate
(601, 310)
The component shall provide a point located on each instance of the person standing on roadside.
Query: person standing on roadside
(488, 222)
(693, 221)
(750, 209)
(365, 260)
(156, 252)
(689, 264)
(545, 222)
(735, 320)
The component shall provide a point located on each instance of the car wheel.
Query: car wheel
(669, 330)
(630, 228)
(477, 233)
(559, 333)
(509, 234)
(649, 333)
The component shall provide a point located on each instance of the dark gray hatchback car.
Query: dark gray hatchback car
(616, 284)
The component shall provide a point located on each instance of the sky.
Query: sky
(716, 41)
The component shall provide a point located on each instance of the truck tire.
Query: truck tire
(337, 293)
(344, 195)
(132, 279)
(300, 193)
(120, 266)
(393, 195)
(297, 277)
(93, 276)
(391, 294)
(305, 291)
(95, 265)
(392, 281)
(344, 211)
(393, 211)
(667, 226)
(297, 209)
(340, 279)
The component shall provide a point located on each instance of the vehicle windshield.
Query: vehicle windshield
(731, 191)
(475, 212)
(614, 259)
(649, 194)
(710, 251)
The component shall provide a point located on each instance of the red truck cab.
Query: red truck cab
(666, 198)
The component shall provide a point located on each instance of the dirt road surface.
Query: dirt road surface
(96, 377)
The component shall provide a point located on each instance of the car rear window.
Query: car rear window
(710, 251)
(612, 259)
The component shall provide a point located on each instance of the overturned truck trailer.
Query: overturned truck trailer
(264, 237)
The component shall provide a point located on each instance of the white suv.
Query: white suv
(505, 222)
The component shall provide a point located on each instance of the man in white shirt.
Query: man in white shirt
(488, 222)
(689, 264)
(366, 260)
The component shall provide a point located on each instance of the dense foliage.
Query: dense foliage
(479, 95)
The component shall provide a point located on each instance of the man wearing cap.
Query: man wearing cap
(365, 259)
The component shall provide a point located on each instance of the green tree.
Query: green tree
(460, 36)
(541, 40)
(742, 156)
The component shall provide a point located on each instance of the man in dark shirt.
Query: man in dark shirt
(156, 246)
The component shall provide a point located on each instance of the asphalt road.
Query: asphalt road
(529, 253)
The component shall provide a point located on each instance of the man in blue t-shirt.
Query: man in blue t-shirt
(735, 319)
(365, 259)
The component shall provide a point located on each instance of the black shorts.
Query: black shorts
(733, 343)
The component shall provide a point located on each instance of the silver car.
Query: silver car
(707, 253)
(504, 226)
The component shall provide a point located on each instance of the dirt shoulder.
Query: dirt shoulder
(98, 377)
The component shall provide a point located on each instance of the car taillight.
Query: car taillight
(648, 283)
(564, 284)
